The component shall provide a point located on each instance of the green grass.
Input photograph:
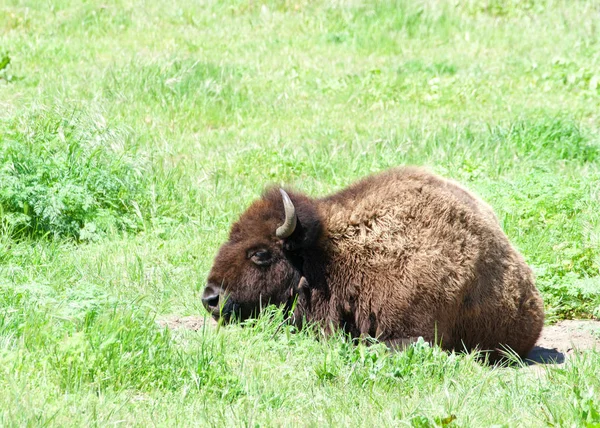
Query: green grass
(133, 134)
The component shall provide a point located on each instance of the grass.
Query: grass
(132, 135)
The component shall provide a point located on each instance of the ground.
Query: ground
(132, 134)
(556, 344)
(561, 340)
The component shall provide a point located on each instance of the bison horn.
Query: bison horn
(289, 225)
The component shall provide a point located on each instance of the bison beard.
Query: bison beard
(395, 256)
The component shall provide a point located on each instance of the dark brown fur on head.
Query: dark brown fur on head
(254, 267)
(395, 256)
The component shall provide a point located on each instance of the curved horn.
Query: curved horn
(289, 225)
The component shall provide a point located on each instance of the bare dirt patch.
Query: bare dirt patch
(558, 342)
(189, 323)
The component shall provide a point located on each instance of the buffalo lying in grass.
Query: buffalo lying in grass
(398, 255)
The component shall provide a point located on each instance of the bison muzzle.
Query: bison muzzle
(398, 255)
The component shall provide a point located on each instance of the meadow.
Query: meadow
(133, 133)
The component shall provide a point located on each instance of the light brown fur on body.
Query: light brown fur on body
(420, 256)
(395, 256)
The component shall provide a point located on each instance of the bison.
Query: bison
(398, 255)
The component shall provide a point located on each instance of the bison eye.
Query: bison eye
(261, 257)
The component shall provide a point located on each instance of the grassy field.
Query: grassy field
(133, 133)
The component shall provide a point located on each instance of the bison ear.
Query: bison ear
(301, 226)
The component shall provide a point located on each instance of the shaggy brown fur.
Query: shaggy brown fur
(395, 256)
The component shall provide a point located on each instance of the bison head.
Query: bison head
(262, 262)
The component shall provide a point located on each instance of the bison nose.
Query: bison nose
(211, 302)
(211, 297)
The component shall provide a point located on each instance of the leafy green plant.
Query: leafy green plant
(4, 62)
(70, 175)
